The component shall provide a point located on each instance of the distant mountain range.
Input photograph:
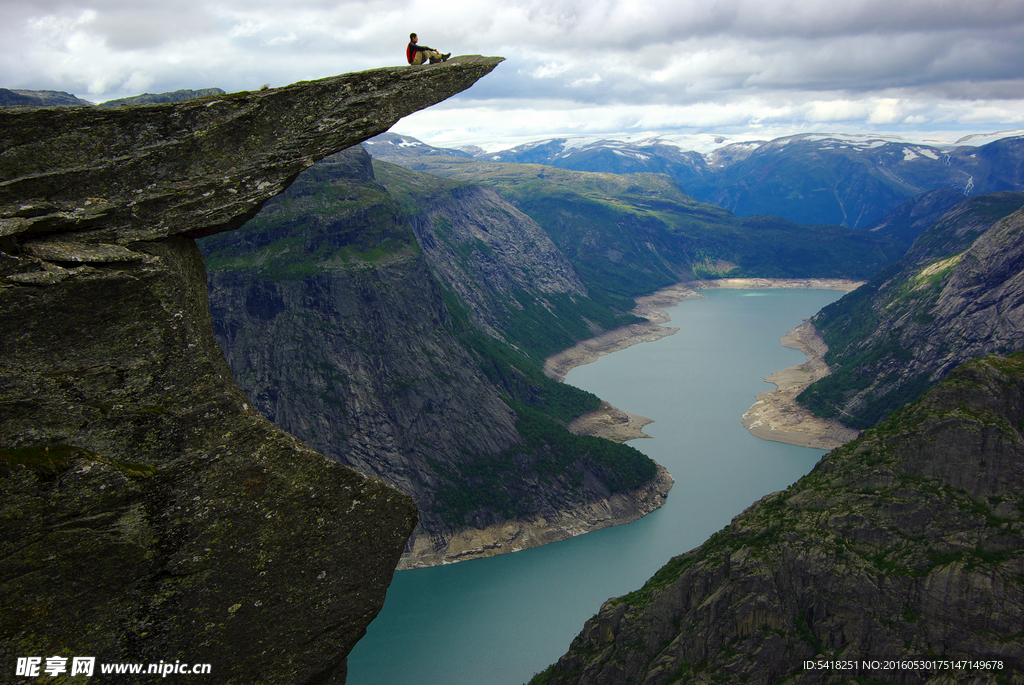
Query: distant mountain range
(846, 180)
(40, 98)
(56, 98)
(630, 234)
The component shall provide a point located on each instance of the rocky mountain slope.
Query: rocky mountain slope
(632, 234)
(149, 513)
(898, 559)
(394, 375)
(40, 98)
(156, 98)
(850, 181)
(916, 215)
(518, 285)
(957, 294)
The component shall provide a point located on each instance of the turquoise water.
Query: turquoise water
(500, 620)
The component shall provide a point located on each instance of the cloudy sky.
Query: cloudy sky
(589, 67)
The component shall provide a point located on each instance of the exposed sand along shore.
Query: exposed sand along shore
(775, 415)
(648, 307)
(536, 530)
(793, 283)
(608, 421)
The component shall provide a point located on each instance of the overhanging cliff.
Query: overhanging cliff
(149, 513)
(198, 167)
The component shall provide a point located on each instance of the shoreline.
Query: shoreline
(538, 529)
(648, 307)
(775, 415)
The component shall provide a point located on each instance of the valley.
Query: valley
(260, 354)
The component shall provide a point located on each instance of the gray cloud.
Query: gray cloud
(622, 62)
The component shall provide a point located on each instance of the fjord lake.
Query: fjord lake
(500, 620)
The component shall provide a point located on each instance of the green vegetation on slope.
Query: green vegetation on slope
(549, 452)
(879, 335)
(328, 220)
(541, 329)
(907, 537)
(635, 233)
(536, 321)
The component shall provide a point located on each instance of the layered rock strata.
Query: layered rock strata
(903, 546)
(149, 513)
(957, 294)
(382, 382)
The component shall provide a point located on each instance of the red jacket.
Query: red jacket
(411, 48)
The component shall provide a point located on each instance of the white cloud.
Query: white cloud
(550, 70)
(572, 64)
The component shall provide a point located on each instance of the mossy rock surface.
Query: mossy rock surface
(905, 544)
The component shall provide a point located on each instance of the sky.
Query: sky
(743, 68)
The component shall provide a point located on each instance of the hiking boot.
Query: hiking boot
(445, 56)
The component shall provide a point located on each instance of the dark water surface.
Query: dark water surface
(500, 620)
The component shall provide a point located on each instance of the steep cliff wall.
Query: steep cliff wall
(149, 513)
(958, 293)
(383, 380)
(484, 250)
(904, 545)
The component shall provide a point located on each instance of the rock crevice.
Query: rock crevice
(149, 512)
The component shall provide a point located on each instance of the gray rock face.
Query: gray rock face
(484, 249)
(906, 544)
(957, 294)
(332, 319)
(128, 174)
(149, 512)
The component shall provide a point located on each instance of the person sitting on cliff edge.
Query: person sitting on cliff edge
(418, 54)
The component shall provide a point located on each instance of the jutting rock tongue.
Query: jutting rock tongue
(149, 513)
(202, 166)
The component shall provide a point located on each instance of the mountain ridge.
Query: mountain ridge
(903, 545)
(954, 295)
(809, 178)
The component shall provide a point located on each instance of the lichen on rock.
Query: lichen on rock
(904, 545)
(149, 512)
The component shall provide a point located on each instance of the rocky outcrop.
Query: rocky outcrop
(199, 167)
(957, 294)
(482, 248)
(149, 513)
(534, 530)
(904, 548)
(384, 380)
(777, 416)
